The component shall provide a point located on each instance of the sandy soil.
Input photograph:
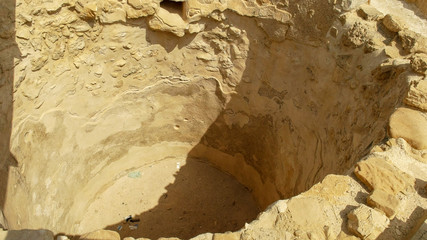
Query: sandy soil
(172, 198)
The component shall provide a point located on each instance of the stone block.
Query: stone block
(417, 95)
(410, 125)
(386, 202)
(367, 223)
(377, 173)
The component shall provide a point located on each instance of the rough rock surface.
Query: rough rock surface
(117, 108)
(417, 96)
(377, 173)
(366, 222)
(409, 124)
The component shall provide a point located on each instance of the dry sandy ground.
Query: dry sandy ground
(172, 202)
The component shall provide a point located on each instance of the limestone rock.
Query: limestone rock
(384, 201)
(419, 63)
(369, 13)
(101, 235)
(112, 12)
(412, 42)
(410, 125)
(86, 10)
(164, 21)
(392, 23)
(356, 36)
(377, 173)
(366, 222)
(26, 235)
(38, 62)
(417, 95)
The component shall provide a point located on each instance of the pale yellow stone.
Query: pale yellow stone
(417, 95)
(377, 173)
(366, 222)
(392, 23)
(410, 125)
(384, 201)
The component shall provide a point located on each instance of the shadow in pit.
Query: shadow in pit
(405, 229)
(201, 199)
(297, 142)
(8, 53)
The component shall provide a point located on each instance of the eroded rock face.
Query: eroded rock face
(278, 95)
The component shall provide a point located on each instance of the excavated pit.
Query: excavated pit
(188, 134)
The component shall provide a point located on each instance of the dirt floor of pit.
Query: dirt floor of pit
(172, 198)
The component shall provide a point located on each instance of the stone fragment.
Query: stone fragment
(410, 125)
(369, 13)
(26, 235)
(392, 23)
(386, 202)
(138, 4)
(333, 32)
(23, 33)
(86, 10)
(101, 235)
(412, 42)
(356, 36)
(112, 12)
(38, 62)
(377, 173)
(417, 95)
(164, 21)
(366, 222)
(419, 63)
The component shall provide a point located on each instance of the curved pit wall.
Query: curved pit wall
(110, 111)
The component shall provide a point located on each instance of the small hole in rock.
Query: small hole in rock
(176, 7)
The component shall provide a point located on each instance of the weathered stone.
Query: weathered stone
(412, 42)
(366, 222)
(410, 125)
(369, 13)
(38, 62)
(86, 10)
(419, 63)
(101, 235)
(417, 95)
(26, 235)
(384, 201)
(112, 12)
(392, 23)
(356, 36)
(377, 173)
